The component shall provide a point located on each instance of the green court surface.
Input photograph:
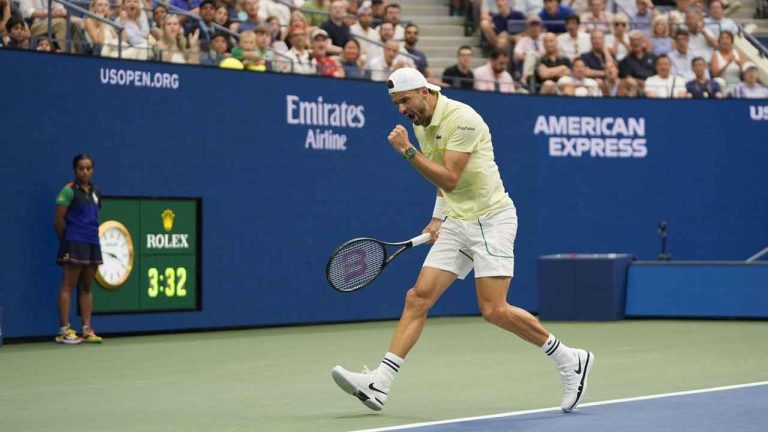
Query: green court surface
(278, 379)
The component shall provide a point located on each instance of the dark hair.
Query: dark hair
(727, 33)
(695, 59)
(578, 59)
(82, 156)
(661, 56)
(573, 17)
(392, 6)
(463, 47)
(681, 32)
(12, 22)
(498, 53)
(412, 25)
(354, 41)
(159, 6)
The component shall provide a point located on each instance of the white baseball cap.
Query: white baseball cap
(405, 79)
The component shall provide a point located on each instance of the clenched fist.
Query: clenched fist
(398, 139)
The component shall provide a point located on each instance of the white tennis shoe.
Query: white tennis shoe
(362, 386)
(574, 378)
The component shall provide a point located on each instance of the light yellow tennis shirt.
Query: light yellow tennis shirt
(456, 126)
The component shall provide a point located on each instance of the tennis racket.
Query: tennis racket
(359, 261)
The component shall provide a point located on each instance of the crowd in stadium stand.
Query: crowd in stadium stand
(678, 49)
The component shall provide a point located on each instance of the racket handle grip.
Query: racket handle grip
(420, 239)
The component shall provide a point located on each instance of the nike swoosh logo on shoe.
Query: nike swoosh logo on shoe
(578, 370)
(370, 386)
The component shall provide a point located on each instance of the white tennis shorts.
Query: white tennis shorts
(486, 244)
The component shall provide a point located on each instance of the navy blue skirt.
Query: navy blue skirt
(78, 253)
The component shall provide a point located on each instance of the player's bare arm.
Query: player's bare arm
(446, 176)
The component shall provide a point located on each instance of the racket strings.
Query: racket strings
(356, 264)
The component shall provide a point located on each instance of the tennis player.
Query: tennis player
(473, 225)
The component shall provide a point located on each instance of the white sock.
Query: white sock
(388, 369)
(62, 330)
(558, 351)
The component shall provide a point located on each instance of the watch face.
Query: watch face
(117, 254)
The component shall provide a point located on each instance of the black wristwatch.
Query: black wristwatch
(409, 153)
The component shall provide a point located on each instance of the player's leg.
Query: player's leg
(430, 285)
(574, 365)
(492, 300)
(445, 262)
(85, 296)
(372, 387)
(68, 283)
(494, 268)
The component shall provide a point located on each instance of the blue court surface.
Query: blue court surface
(742, 408)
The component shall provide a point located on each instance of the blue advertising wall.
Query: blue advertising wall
(276, 202)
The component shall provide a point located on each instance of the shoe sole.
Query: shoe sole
(584, 380)
(338, 376)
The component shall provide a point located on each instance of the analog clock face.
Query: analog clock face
(117, 254)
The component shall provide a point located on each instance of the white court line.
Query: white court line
(540, 410)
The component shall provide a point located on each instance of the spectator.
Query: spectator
(217, 51)
(5, 15)
(254, 51)
(574, 42)
(136, 24)
(701, 87)
(191, 6)
(352, 61)
(364, 29)
(661, 43)
(317, 10)
(18, 34)
(205, 24)
(276, 35)
(299, 59)
(727, 61)
(701, 41)
(553, 15)
(391, 60)
(324, 64)
(578, 84)
(749, 88)
(597, 18)
(664, 84)
(392, 15)
(678, 15)
(104, 36)
(159, 13)
(629, 88)
(337, 29)
(493, 76)
(716, 22)
(386, 34)
(618, 42)
(223, 19)
(378, 9)
(411, 39)
(681, 57)
(37, 12)
(173, 44)
(460, 75)
(44, 44)
(496, 27)
(551, 66)
(596, 60)
(251, 21)
(638, 64)
(611, 82)
(643, 17)
(530, 47)
(269, 8)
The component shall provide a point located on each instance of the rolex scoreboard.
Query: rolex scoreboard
(151, 253)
